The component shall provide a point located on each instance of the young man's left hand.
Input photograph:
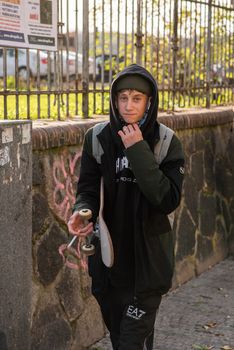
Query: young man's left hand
(130, 134)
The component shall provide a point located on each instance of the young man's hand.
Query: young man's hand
(76, 225)
(130, 134)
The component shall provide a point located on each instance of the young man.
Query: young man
(138, 196)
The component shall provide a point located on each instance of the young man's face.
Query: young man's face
(131, 105)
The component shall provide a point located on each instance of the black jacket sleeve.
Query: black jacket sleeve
(88, 187)
(160, 184)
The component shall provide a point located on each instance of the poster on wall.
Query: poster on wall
(29, 23)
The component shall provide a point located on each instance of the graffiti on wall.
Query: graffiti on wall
(65, 177)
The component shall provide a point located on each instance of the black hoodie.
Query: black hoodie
(126, 190)
(138, 196)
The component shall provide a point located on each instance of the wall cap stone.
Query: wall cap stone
(198, 118)
(48, 134)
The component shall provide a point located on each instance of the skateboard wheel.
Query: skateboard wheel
(86, 214)
(88, 249)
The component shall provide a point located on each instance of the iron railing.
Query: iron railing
(188, 45)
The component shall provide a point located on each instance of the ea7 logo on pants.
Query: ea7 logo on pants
(134, 312)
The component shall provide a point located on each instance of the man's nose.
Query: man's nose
(129, 104)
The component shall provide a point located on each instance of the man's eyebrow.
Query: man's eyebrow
(131, 93)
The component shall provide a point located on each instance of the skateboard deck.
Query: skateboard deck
(107, 250)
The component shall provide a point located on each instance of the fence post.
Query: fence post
(15, 234)
(175, 49)
(58, 68)
(208, 62)
(5, 82)
(85, 60)
(139, 34)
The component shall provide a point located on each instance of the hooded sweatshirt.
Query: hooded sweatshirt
(138, 195)
(126, 192)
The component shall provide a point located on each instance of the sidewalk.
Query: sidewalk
(197, 316)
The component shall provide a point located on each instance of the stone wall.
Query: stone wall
(64, 314)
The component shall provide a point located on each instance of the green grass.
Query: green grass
(38, 107)
(70, 104)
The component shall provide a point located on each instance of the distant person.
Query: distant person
(139, 194)
(46, 12)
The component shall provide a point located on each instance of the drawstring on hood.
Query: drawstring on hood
(148, 124)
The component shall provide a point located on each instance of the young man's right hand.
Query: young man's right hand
(130, 134)
(77, 226)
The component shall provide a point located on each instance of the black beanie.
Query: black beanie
(134, 82)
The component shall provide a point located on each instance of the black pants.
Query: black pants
(129, 321)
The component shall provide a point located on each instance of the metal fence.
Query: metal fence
(188, 45)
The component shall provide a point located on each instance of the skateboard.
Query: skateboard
(86, 247)
(107, 250)
(74, 257)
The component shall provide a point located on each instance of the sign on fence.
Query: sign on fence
(29, 23)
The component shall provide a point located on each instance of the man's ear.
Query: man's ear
(116, 104)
